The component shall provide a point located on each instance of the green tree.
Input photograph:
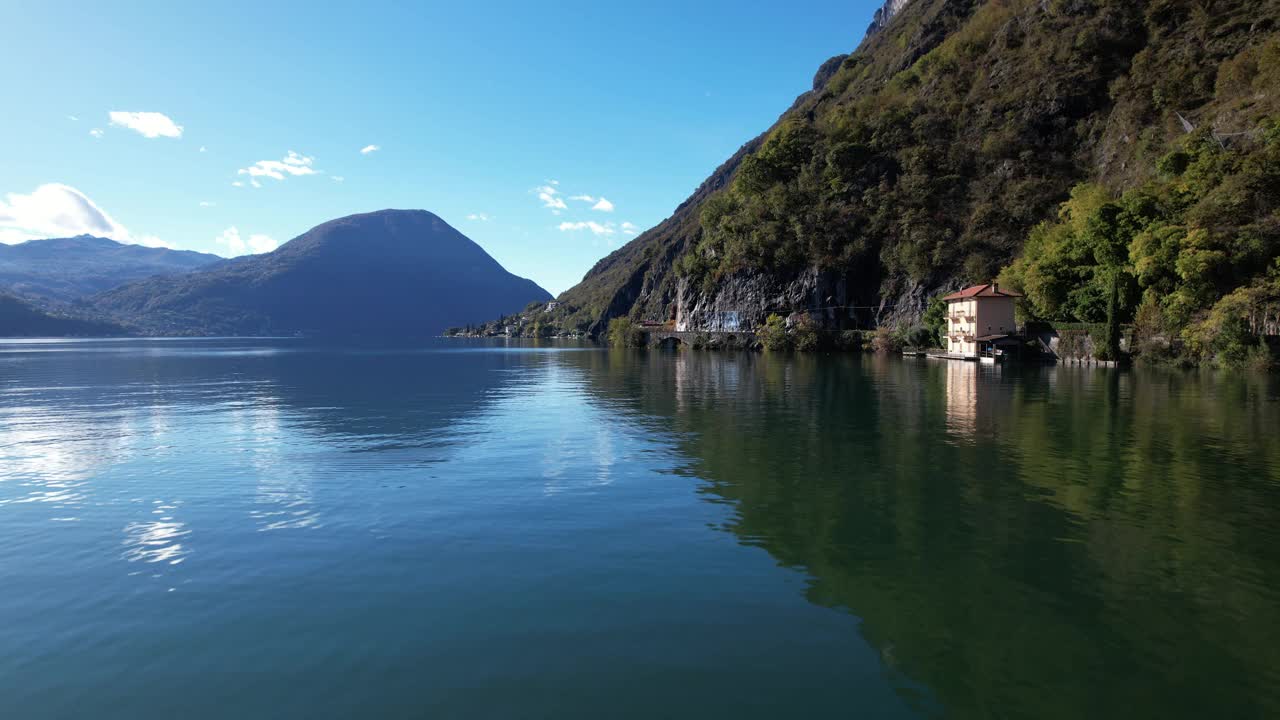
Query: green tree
(624, 333)
(935, 322)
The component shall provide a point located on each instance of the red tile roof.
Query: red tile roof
(987, 290)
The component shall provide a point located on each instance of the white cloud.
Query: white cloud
(370, 148)
(57, 210)
(253, 245)
(481, 217)
(97, 133)
(599, 203)
(237, 183)
(203, 149)
(548, 195)
(73, 118)
(206, 203)
(292, 164)
(149, 124)
(337, 178)
(629, 228)
(596, 228)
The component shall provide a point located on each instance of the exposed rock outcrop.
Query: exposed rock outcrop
(833, 300)
(885, 14)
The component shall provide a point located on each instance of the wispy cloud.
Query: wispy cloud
(148, 124)
(57, 210)
(237, 183)
(369, 149)
(550, 197)
(337, 178)
(479, 217)
(292, 164)
(598, 203)
(96, 133)
(203, 149)
(237, 245)
(73, 118)
(602, 230)
(630, 228)
(206, 203)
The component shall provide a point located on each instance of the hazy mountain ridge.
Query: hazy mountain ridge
(386, 273)
(61, 270)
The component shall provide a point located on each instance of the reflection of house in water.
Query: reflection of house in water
(980, 320)
(962, 397)
(974, 402)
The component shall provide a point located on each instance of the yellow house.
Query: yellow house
(978, 318)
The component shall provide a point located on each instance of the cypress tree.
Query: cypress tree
(1113, 317)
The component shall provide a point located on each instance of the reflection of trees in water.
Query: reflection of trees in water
(1069, 543)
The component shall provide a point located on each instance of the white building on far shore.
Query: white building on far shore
(978, 318)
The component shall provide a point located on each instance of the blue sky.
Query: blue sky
(472, 108)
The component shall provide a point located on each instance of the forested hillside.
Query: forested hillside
(20, 319)
(941, 152)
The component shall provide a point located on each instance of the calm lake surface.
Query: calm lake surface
(257, 528)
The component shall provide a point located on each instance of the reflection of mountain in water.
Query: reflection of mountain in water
(1035, 543)
(279, 419)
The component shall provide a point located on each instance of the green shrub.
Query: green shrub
(805, 335)
(624, 333)
(773, 334)
(922, 336)
(1261, 357)
(886, 341)
(849, 340)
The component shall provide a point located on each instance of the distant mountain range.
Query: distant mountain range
(64, 269)
(393, 273)
(388, 273)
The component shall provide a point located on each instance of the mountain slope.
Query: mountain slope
(63, 269)
(924, 160)
(20, 319)
(387, 273)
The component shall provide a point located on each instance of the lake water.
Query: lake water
(270, 529)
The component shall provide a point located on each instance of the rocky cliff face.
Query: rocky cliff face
(885, 14)
(832, 300)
